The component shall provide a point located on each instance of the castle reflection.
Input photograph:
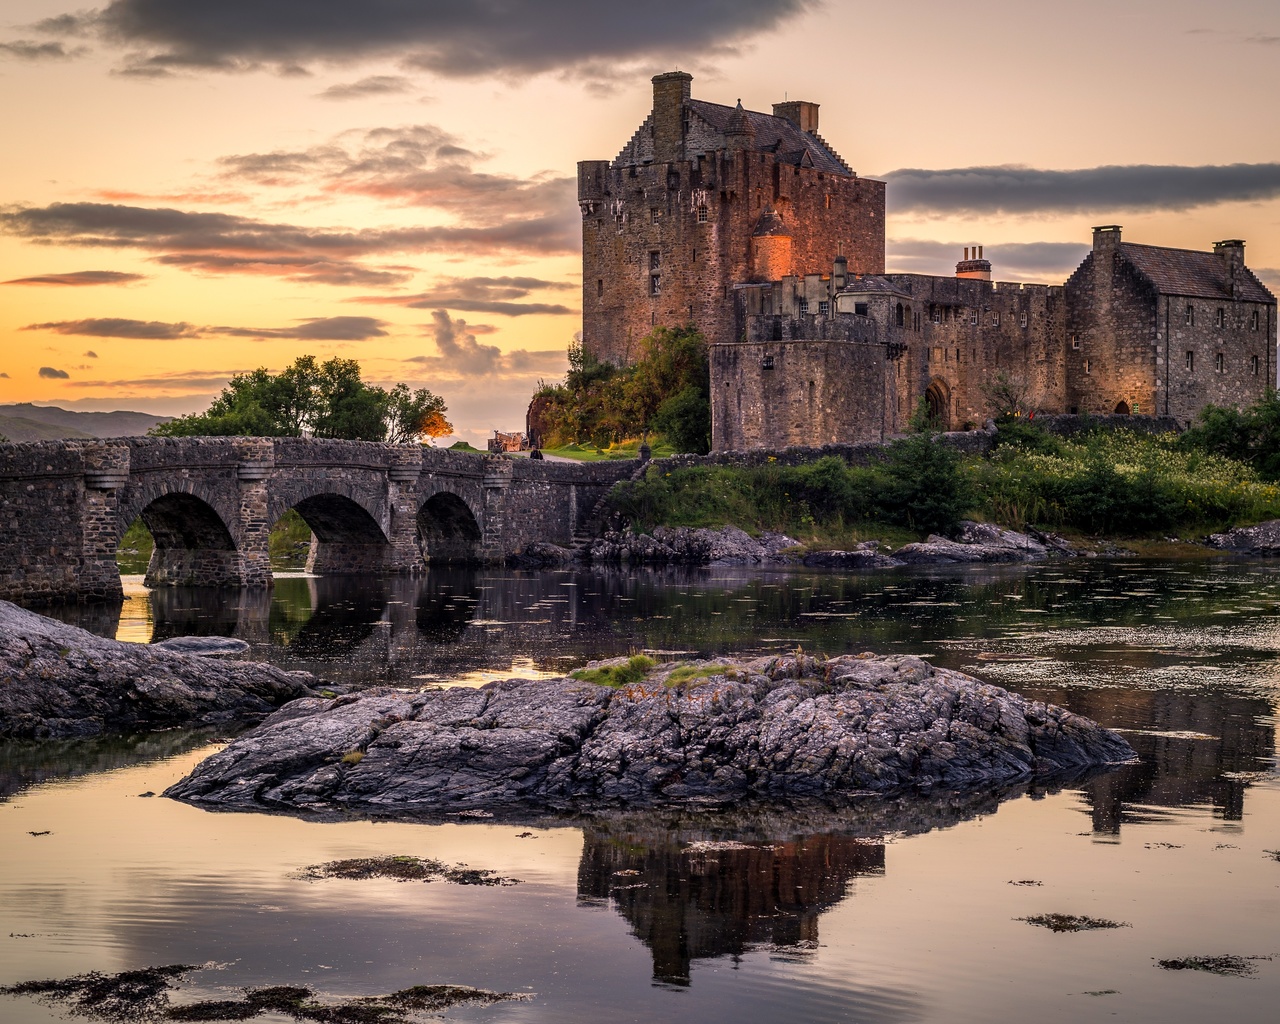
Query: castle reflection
(692, 900)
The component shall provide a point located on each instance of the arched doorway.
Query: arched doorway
(346, 539)
(192, 545)
(938, 398)
(1122, 408)
(447, 530)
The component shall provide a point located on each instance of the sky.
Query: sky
(190, 190)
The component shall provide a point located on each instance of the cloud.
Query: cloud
(461, 355)
(91, 354)
(117, 327)
(375, 85)
(1025, 190)
(330, 328)
(306, 269)
(81, 278)
(1052, 261)
(484, 295)
(464, 40)
(4, 375)
(1269, 276)
(49, 373)
(25, 49)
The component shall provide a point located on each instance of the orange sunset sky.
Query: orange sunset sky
(188, 190)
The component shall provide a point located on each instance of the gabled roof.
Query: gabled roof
(872, 284)
(772, 135)
(1189, 272)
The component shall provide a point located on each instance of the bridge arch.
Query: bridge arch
(194, 546)
(346, 536)
(449, 531)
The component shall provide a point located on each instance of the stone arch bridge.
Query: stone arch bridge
(210, 503)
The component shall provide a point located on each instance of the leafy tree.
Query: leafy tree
(927, 488)
(326, 399)
(1251, 436)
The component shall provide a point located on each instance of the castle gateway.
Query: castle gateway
(751, 227)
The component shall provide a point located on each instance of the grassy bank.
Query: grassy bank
(1100, 485)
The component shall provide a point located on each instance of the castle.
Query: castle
(753, 228)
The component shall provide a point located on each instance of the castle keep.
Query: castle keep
(751, 227)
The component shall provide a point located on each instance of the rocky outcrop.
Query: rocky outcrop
(982, 542)
(682, 545)
(1260, 540)
(782, 727)
(58, 680)
(865, 556)
(541, 555)
(205, 646)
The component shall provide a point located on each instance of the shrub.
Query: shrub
(927, 487)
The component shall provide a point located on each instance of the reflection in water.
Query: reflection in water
(689, 901)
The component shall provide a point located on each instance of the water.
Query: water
(891, 912)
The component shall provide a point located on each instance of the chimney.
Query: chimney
(801, 114)
(1106, 237)
(1232, 253)
(973, 266)
(839, 273)
(670, 90)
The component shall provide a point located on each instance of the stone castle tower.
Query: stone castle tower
(705, 197)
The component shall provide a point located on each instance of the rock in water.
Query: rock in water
(206, 646)
(692, 732)
(58, 680)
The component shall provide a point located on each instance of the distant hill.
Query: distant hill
(27, 422)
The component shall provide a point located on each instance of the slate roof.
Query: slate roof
(776, 135)
(1201, 275)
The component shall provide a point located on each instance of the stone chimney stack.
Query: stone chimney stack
(800, 113)
(973, 267)
(1232, 253)
(1106, 237)
(670, 90)
(839, 274)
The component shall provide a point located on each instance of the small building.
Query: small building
(502, 442)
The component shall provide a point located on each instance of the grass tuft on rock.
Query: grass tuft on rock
(633, 670)
(1072, 922)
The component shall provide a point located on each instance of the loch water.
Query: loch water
(903, 910)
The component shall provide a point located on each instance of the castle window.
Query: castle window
(655, 284)
(937, 315)
(599, 287)
(655, 215)
(824, 309)
(766, 362)
(1088, 366)
(618, 221)
(1191, 315)
(828, 201)
(1253, 363)
(1219, 317)
(995, 319)
(1191, 361)
(898, 317)
(1219, 363)
(1075, 342)
(861, 309)
(973, 318)
(916, 320)
(803, 306)
(702, 214)
(1023, 321)
(655, 260)
(1253, 321)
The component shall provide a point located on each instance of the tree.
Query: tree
(307, 398)
(1007, 395)
(1251, 436)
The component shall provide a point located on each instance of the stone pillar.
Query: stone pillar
(402, 501)
(257, 461)
(494, 542)
(106, 470)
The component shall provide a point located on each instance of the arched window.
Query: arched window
(900, 315)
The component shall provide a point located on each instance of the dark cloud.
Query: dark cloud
(471, 39)
(91, 354)
(1268, 276)
(81, 278)
(251, 245)
(329, 328)
(485, 295)
(1015, 189)
(305, 269)
(1052, 261)
(117, 327)
(25, 49)
(183, 380)
(49, 373)
(374, 85)
(461, 355)
(4, 375)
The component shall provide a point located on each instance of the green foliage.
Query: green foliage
(326, 399)
(689, 673)
(927, 487)
(1015, 431)
(667, 391)
(1251, 436)
(632, 671)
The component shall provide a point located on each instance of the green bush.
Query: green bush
(1251, 436)
(928, 489)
